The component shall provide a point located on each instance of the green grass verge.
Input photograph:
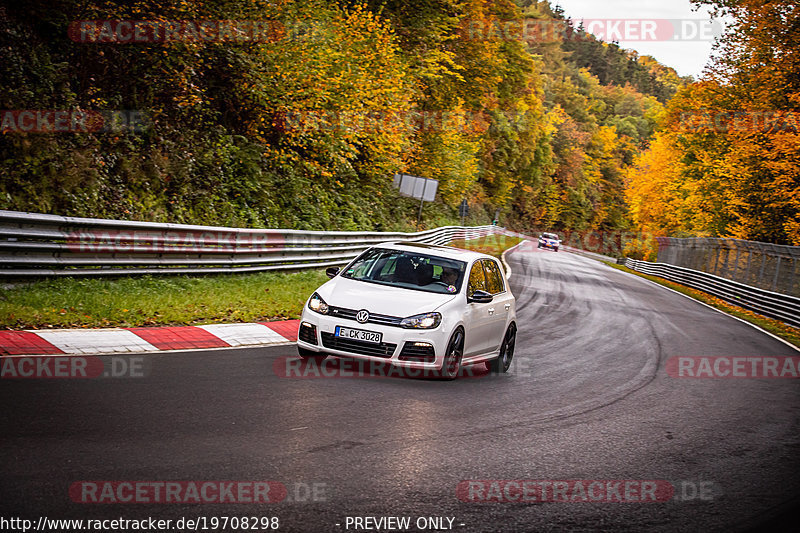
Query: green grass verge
(173, 300)
(775, 327)
(493, 245)
(149, 301)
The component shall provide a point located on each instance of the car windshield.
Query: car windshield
(552, 236)
(409, 270)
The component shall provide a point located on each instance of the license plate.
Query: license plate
(359, 334)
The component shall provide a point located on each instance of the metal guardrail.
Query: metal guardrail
(37, 245)
(782, 307)
(772, 267)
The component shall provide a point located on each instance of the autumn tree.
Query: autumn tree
(732, 139)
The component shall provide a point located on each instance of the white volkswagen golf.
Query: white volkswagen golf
(418, 306)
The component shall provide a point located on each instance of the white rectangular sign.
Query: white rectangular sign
(416, 187)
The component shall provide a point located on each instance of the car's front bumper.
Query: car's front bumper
(396, 347)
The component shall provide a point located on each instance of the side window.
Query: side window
(494, 279)
(477, 280)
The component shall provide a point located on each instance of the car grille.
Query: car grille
(419, 354)
(350, 314)
(384, 349)
(308, 333)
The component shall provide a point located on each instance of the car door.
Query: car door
(479, 316)
(500, 305)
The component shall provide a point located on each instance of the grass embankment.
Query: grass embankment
(173, 300)
(492, 245)
(150, 301)
(775, 327)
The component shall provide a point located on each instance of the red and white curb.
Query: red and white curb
(153, 339)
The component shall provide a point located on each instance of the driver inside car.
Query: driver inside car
(449, 276)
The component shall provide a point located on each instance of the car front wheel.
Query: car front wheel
(503, 361)
(452, 356)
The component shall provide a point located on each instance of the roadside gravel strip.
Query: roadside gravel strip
(157, 339)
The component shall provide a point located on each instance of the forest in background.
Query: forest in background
(725, 160)
(306, 128)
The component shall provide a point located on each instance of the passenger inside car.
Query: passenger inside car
(404, 271)
(424, 274)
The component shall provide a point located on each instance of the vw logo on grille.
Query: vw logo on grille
(362, 316)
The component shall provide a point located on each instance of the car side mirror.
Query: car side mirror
(332, 271)
(481, 297)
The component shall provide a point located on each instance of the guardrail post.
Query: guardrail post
(702, 263)
(747, 272)
(712, 260)
(761, 271)
(777, 273)
(726, 269)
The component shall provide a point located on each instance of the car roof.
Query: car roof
(448, 252)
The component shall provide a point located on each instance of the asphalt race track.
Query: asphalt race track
(588, 398)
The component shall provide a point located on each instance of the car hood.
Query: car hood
(380, 299)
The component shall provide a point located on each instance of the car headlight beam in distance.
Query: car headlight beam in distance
(423, 321)
(317, 304)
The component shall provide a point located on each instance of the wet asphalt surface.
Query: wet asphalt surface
(587, 398)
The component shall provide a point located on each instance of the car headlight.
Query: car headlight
(423, 321)
(317, 304)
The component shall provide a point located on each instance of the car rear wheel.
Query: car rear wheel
(503, 361)
(308, 354)
(452, 356)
